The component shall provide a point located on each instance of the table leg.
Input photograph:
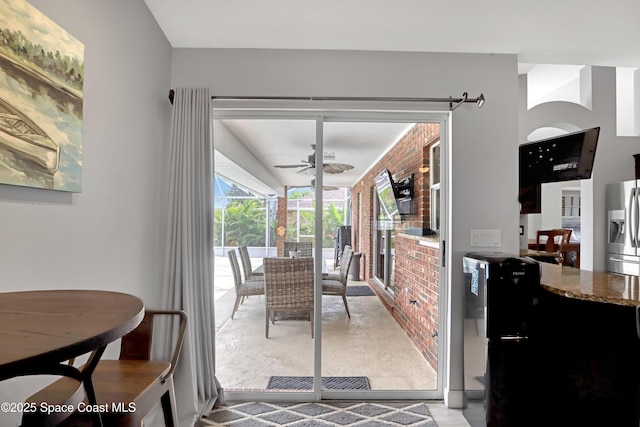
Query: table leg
(89, 367)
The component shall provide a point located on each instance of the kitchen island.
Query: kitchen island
(587, 349)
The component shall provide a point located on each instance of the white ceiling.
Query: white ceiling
(288, 142)
(568, 32)
(577, 32)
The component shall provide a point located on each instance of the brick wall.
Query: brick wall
(416, 266)
(408, 155)
(416, 297)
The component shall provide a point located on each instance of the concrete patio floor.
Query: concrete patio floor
(369, 344)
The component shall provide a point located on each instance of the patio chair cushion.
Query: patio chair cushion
(252, 287)
(332, 286)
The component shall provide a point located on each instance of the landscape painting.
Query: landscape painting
(41, 98)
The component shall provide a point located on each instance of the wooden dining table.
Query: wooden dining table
(41, 330)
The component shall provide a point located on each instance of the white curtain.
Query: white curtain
(188, 274)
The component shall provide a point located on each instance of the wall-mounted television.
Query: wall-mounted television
(386, 194)
(566, 157)
(395, 197)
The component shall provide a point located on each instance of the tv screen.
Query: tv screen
(384, 187)
(563, 158)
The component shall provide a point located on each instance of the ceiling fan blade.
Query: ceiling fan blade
(307, 168)
(336, 168)
(289, 166)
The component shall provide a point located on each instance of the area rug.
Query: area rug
(327, 414)
(328, 383)
(359, 291)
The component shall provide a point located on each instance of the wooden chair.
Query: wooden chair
(555, 239)
(130, 386)
(332, 285)
(249, 274)
(288, 287)
(245, 288)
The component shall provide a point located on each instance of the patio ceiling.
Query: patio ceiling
(266, 143)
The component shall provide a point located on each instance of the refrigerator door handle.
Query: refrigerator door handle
(636, 216)
(631, 218)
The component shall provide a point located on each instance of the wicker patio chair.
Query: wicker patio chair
(305, 248)
(246, 288)
(288, 247)
(346, 254)
(288, 287)
(249, 274)
(330, 286)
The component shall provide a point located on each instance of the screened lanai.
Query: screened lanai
(244, 217)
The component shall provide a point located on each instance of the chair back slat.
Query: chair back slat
(136, 345)
(235, 268)
(246, 261)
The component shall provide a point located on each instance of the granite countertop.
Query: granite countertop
(591, 285)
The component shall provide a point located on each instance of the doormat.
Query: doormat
(359, 291)
(328, 383)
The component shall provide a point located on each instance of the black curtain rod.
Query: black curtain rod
(453, 102)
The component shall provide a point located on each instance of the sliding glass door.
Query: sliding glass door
(375, 320)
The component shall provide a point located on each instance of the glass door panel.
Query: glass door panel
(245, 358)
(373, 349)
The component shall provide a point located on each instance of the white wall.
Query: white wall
(613, 162)
(111, 235)
(484, 168)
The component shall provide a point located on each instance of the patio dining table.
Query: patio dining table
(260, 269)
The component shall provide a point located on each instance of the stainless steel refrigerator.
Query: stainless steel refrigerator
(623, 222)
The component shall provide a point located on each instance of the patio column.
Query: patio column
(281, 218)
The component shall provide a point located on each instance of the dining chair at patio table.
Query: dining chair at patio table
(249, 272)
(288, 287)
(244, 289)
(305, 249)
(331, 286)
(346, 254)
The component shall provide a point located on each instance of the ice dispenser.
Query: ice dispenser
(501, 294)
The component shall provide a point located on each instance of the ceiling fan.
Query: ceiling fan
(310, 164)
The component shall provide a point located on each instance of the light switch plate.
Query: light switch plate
(486, 238)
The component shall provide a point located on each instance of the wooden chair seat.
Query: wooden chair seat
(128, 388)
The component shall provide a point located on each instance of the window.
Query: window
(434, 179)
(570, 204)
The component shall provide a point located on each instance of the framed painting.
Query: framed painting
(41, 99)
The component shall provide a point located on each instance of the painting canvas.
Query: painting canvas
(41, 98)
